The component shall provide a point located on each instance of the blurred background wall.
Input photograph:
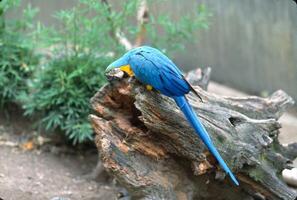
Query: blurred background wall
(251, 45)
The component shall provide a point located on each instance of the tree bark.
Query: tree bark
(146, 143)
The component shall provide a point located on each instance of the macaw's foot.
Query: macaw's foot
(149, 87)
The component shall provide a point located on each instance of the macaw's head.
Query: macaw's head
(119, 68)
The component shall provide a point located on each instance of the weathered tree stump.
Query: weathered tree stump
(145, 142)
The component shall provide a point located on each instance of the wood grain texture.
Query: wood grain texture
(148, 146)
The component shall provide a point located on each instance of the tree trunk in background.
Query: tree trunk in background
(148, 146)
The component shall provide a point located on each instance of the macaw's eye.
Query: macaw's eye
(126, 75)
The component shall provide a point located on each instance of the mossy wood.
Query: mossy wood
(145, 142)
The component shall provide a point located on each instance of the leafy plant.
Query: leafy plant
(17, 59)
(176, 32)
(62, 94)
(83, 43)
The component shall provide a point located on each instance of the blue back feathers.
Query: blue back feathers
(152, 67)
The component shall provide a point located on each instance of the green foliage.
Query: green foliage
(62, 93)
(176, 32)
(82, 44)
(17, 60)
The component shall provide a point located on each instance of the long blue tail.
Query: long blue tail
(184, 105)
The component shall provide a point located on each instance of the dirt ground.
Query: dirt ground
(46, 169)
(57, 172)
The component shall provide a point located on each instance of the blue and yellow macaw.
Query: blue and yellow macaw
(157, 71)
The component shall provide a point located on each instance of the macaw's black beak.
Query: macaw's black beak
(114, 74)
(109, 78)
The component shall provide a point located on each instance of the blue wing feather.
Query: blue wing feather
(152, 67)
(202, 133)
(156, 70)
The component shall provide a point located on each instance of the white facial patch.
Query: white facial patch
(115, 73)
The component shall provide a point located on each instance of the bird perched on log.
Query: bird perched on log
(154, 69)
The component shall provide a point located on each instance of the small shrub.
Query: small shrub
(16, 67)
(17, 60)
(80, 46)
(62, 94)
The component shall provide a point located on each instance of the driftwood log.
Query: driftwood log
(145, 142)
